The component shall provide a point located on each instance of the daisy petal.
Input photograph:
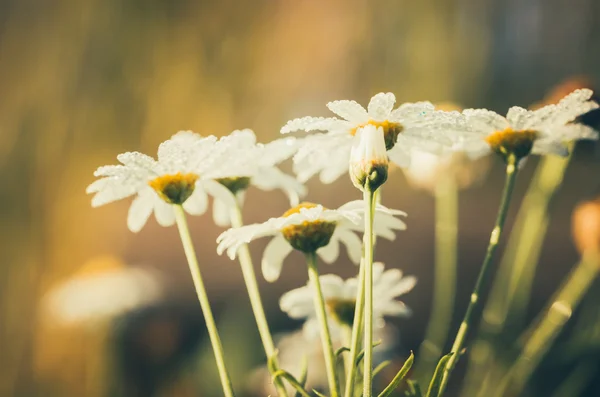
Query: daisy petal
(349, 110)
(197, 203)
(163, 212)
(221, 213)
(353, 244)
(275, 252)
(381, 106)
(140, 210)
(331, 251)
(315, 124)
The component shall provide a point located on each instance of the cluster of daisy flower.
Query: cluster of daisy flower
(362, 142)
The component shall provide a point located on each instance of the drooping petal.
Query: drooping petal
(275, 253)
(221, 213)
(349, 110)
(331, 251)
(163, 212)
(550, 146)
(400, 156)
(219, 191)
(140, 210)
(197, 203)
(381, 105)
(352, 242)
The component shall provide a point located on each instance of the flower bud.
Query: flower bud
(586, 226)
(368, 159)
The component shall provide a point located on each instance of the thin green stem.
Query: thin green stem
(509, 295)
(215, 341)
(255, 299)
(313, 275)
(355, 345)
(368, 197)
(469, 318)
(557, 314)
(446, 227)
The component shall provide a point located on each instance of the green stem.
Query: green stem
(313, 275)
(510, 292)
(446, 227)
(368, 197)
(255, 299)
(556, 316)
(215, 341)
(355, 345)
(459, 341)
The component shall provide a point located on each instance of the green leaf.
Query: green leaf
(271, 362)
(341, 350)
(292, 381)
(361, 354)
(414, 390)
(399, 376)
(381, 367)
(303, 374)
(319, 394)
(438, 375)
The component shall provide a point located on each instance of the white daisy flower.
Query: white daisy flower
(543, 131)
(184, 173)
(409, 125)
(265, 174)
(308, 228)
(340, 299)
(92, 296)
(369, 159)
(428, 170)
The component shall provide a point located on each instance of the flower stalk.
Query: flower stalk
(357, 325)
(446, 228)
(368, 197)
(319, 302)
(249, 275)
(469, 318)
(511, 289)
(213, 334)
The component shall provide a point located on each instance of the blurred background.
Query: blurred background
(84, 80)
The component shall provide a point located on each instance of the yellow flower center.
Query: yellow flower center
(235, 184)
(390, 131)
(174, 188)
(342, 310)
(512, 143)
(308, 236)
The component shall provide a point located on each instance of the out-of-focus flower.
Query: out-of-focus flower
(340, 299)
(101, 290)
(586, 226)
(427, 170)
(368, 159)
(309, 228)
(543, 131)
(408, 126)
(184, 173)
(264, 173)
